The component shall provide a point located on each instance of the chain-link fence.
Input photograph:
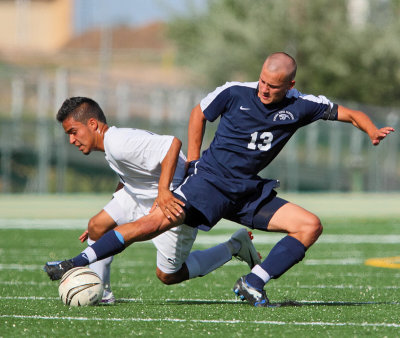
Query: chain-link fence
(36, 158)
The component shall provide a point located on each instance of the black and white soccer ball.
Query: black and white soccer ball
(80, 286)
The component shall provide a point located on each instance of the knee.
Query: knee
(313, 227)
(95, 231)
(166, 278)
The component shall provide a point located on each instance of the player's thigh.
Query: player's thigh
(292, 218)
(173, 248)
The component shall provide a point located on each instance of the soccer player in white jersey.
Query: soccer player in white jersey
(256, 121)
(148, 166)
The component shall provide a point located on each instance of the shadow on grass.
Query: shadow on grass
(333, 303)
(288, 303)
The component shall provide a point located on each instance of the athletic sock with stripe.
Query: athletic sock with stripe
(286, 253)
(111, 243)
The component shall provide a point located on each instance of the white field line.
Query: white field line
(206, 238)
(22, 267)
(52, 283)
(205, 321)
(311, 262)
(337, 261)
(283, 286)
(27, 298)
(170, 300)
(272, 238)
(124, 267)
(43, 224)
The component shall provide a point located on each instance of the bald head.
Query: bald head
(281, 63)
(276, 77)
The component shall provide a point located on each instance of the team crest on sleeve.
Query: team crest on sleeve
(283, 115)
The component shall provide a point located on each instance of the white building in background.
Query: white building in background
(358, 12)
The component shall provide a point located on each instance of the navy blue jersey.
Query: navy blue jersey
(250, 134)
(224, 183)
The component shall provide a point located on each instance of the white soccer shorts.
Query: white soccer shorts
(173, 246)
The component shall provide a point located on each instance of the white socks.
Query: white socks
(102, 268)
(234, 245)
(260, 272)
(200, 263)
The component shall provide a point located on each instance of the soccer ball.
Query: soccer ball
(80, 286)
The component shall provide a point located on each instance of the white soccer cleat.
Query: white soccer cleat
(247, 252)
(108, 298)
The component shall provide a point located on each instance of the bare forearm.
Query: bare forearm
(147, 227)
(168, 164)
(364, 123)
(166, 201)
(357, 118)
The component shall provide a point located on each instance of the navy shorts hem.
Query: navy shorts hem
(193, 217)
(264, 213)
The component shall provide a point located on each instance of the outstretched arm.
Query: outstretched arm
(364, 123)
(196, 129)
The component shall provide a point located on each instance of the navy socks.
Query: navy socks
(111, 243)
(286, 253)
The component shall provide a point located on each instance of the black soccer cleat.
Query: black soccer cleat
(55, 270)
(254, 296)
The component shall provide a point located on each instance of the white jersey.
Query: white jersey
(136, 156)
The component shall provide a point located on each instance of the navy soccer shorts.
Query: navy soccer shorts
(208, 198)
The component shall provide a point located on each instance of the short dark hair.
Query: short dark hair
(291, 60)
(81, 109)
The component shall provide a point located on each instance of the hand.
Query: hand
(380, 134)
(169, 205)
(84, 236)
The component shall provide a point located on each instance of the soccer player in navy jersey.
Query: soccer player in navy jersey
(256, 121)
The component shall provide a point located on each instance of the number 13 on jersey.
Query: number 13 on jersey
(262, 142)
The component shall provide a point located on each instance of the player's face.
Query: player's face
(272, 86)
(80, 135)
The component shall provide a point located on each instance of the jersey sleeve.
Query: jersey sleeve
(216, 102)
(319, 107)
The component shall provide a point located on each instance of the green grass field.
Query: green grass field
(332, 292)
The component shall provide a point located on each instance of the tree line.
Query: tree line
(346, 49)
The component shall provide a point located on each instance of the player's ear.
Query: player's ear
(92, 123)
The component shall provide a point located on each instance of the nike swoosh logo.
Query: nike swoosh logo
(244, 108)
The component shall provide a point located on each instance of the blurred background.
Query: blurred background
(148, 63)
